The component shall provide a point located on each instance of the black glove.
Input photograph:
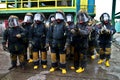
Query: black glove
(47, 46)
(66, 46)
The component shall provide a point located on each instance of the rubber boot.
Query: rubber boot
(63, 63)
(54, 62)
(44, 60)
(80, 70)
(100, 61)
(107, 63)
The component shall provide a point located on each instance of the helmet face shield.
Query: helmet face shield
(37, 17)
(105, 18)
(13, 22)
(28, 19)
(52, 19)
(69, 18)
(59, 16)
(82, 18)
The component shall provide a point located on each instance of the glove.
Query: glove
(108, 31)
(66, 46)
(102, 31)
(30, 45)
(5, 48)
(73, 31)
(18, 35)
(47, 46)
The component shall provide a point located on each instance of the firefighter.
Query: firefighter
(71, 25)
(105, 31)
(59, 42)
(49, 22)
(80, 40)
(92, 42)
(26, 24)
(37, 40)
(13, 37)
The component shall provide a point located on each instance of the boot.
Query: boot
(107, 63)
(30, 60)
(80, 70)
(93, 57)
(44, 60)
(44, 66)
(72, 68)
(35, 67)
(52, 69)
(64, 71)
(100, 61)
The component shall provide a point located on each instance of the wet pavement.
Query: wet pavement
(93, 71)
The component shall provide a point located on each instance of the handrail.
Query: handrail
(35, 5)
(22, 3)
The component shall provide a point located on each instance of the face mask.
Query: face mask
(52, 19)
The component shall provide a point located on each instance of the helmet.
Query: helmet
(13, 21)
(59, 16)
(28, 18)
(39, 17)
(82, 17)
(69, 18)
(105, 18)
(51, 18)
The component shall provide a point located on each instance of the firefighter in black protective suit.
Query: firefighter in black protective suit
(80, 40)
(26, 24)
(37, 40)
(105, 31)
(59, 42)
(49, 22)
(14, 35)
(71, 25)
(92, 42)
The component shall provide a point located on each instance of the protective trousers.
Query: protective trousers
(105, 53)
(14, 59)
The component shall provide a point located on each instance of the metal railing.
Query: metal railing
(23, 4)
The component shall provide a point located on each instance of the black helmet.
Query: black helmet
(105, 18)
